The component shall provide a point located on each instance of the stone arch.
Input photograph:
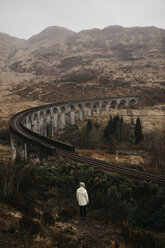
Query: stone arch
(105, 106)
(25, 122)
(20, 156)
(96, 107)
(48, 122)
(80, 112)
(41, 123)
(88, 108)
(55, 120)
(122, 104)
(80, 106)
(29, 122)
(33, 155)
(63, 117)
(13, 148)
(132, 103)
(35, 123)
(72, 114)
(113, 104)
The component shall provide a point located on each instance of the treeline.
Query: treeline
(117, 131)
(120, 135)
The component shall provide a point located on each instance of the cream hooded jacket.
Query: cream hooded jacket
(82, 196)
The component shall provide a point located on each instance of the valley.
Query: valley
(59, 65)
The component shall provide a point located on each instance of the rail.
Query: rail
(67, 151)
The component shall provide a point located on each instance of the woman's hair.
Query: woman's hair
(82, 184)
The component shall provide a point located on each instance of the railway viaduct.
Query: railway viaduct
(33, 133)
(44, 122)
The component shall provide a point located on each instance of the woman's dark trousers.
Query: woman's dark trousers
(83, 212)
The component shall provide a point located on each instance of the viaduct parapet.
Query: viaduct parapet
(32, 130)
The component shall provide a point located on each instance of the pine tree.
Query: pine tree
(131, 131)
(138, 131)
(108, 131)
(117, 128)
(121, 138)
(89, 125)
(96, 125)
(132, 121)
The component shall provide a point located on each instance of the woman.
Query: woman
(83, 199)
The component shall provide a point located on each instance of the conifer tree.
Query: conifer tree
(121, 129)
(108, 131)
(131, 131)
(89, 125)
(96, 125)
(138, 131)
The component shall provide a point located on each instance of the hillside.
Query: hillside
(60, 65)
(8, 48)
(122, 60)
(117, 53)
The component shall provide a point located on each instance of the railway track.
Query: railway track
(65, 151)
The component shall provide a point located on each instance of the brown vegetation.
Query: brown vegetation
(61, 65)
(39, 208)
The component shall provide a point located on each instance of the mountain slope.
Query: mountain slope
(8, 48)
(115, 59)
(50, 36)
(56, 49)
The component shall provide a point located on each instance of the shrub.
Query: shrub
(136, 167)
(63, 240)
(28, 226)
(68, 212)
(139, 203)
(82, 76)
(48, 218)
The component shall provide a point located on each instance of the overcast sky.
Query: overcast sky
(24, 18)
